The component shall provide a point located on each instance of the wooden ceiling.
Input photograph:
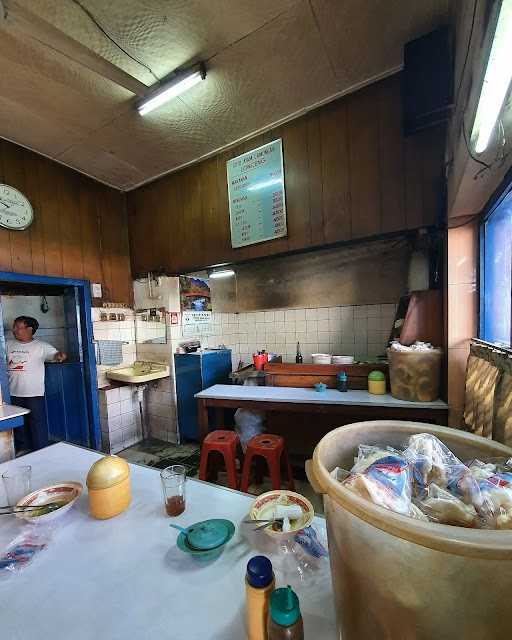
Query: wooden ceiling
(67, 91)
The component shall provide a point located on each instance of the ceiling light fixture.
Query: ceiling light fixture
(180, 82)
(498, 75)
(221, 273)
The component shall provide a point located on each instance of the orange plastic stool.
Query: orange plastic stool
(225, 443)
(271, 448)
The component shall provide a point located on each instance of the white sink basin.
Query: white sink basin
(139, 372)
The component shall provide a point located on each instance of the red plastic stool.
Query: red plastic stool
(271, 448)
(225, 443)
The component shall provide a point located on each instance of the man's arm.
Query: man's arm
(60, 356)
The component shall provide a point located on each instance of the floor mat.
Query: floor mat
(190, 462)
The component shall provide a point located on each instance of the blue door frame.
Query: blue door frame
(83, 288)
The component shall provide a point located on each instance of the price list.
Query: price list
(256, 194)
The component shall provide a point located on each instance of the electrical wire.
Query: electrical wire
(467, 50)
(104, 32)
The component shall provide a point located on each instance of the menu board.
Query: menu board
(257, 208)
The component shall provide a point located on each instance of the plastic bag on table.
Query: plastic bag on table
(23, 549)
(309, 541)
(442, 506)
(248, 424)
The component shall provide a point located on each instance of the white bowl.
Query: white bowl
(321, 358)
(264, 505)
(342, 359)
(69, 491)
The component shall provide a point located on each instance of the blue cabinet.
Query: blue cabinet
(195, 372)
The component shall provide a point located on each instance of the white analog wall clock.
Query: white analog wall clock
(16, 212)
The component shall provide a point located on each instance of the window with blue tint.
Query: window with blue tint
(496, 273)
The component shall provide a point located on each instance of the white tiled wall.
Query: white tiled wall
(160, 396)
(123, 330)
(119, 418)
(361, 331)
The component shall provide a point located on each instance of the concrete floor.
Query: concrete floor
(160, 454)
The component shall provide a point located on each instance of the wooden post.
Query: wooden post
(202, 418)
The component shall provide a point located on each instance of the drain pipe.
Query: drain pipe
(140, 397)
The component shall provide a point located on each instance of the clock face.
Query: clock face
(15, 209)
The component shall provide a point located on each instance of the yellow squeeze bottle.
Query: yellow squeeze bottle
(259, 584)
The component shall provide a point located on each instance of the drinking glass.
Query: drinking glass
(16, 483)
(173, 487)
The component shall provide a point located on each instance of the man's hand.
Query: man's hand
(60, 356)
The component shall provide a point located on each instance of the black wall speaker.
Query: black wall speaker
(427, 90)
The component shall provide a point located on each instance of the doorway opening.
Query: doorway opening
(62, 306)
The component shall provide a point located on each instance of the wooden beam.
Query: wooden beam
(23, 20)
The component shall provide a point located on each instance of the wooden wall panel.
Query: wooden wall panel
(79, 229)
(335, 173)
(365, 179)
(391, 159)
(349, 174)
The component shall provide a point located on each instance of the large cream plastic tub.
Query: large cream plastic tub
(396, 578)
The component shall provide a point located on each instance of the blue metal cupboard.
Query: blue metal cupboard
(195, 372)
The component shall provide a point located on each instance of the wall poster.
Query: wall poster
(257, 208)
(197, 323)
(195, 294)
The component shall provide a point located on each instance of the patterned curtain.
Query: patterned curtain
(488, 395)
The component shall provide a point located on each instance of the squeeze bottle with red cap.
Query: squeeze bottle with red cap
(259, 584)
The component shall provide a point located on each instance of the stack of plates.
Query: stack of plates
(321, 358)
(342, 359)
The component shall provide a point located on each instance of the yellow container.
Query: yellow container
(435, 570)
(108, 482)
(377, 383)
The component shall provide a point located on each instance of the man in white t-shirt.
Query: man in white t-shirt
(25, 365)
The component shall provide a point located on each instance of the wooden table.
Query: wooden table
(125, 578)
(338, 408)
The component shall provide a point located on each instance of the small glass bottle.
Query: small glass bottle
(285, 620)
(341, 381)
(259, 584)
(298, 357)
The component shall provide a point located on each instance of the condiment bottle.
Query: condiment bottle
(377, 383)
(298, 357)
(285, 620)
(341, 381)
(259, 584)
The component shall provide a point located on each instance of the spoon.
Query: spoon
(182, 529)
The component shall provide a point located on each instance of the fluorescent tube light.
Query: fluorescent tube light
(222, 273)
(498, 75)
(169, 90)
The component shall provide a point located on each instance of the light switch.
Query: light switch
(96, 290)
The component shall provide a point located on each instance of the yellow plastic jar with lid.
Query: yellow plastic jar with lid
(108, 482)
(377, 383)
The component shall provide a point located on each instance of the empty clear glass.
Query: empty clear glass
(173, 487)
(17, 483)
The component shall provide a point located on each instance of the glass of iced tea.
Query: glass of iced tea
(173, 486)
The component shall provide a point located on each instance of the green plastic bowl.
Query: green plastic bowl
(226, 531)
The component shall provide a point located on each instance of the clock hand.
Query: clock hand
(7, 206)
